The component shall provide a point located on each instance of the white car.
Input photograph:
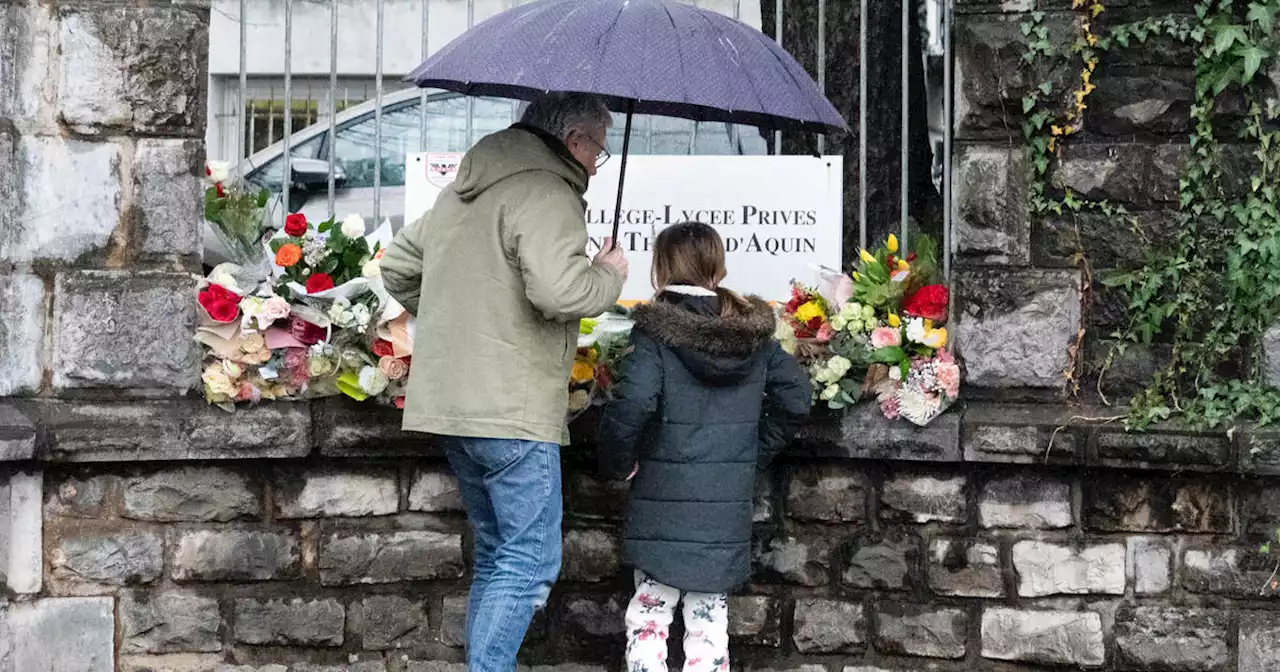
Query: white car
(354, 153)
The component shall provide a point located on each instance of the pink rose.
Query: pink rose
(826, 333)
(393, 368)
(274, 308)
(886, 337)
(949, 379)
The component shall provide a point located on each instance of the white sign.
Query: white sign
(780, 216)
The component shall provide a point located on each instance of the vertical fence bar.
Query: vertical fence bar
(733, 130)
(862, 124)
(948, 102)
(333, 104)
(822, 62)
(471, 102)
(377, 118)
(906, 118)
(241, 122)
(777, 34)
(287, 176)
(422, 98)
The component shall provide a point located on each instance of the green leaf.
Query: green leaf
(1046, 88)
(1262, 16)
(1252, 57)
(1026, 28)
(1226, 36)
(890, 355)
(1027, 104)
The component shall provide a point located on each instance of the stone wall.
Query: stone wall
(141, 529)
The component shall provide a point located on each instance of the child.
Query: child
(704, 401)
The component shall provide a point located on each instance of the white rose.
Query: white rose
(373, 381)
(916, 330)
(224, 275)
(839, 366)
(353, 226)
(850, 311)
(217, 171)
(372, 269)
(830, 392)
(838, 323)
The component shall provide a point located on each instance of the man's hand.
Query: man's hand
(611, 255)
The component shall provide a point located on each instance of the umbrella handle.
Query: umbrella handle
(622, 171)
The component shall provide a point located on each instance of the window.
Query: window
(268, 175)
(672, 136)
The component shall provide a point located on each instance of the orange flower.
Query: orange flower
(583, 372)
(288, 255)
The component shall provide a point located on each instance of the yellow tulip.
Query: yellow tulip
(856, 276)
(893, 243)
(936, 338)
(866, 256)
(903, 265)
(894, 321)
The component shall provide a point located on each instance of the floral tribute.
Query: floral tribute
(302, 313)
(879, 333)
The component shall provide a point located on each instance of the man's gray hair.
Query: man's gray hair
(561, 113)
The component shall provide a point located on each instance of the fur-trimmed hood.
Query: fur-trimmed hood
(718, 350)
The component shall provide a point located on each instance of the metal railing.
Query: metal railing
(908, 15)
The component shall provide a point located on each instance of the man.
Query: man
(498, 277)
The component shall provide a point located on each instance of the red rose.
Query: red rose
(220, 304)
(295, 225)
(222, 193)
(400, 403)
(318, 282)
(383, 348)
(814, 324)
(928, 302)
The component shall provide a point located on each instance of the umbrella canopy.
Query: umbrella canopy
(643, 56)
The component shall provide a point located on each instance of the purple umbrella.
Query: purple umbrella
(642, 56)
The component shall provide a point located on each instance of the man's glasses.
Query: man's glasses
(604, 155)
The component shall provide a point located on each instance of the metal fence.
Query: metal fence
(247, 116)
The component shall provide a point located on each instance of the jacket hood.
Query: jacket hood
(719, 351)
(516, 150)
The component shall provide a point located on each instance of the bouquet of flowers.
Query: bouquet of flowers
(879, 332)
(602, 343)
(238, 215)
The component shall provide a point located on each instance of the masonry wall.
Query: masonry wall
(141, 529)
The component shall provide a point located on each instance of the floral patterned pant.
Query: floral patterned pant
(706, 624)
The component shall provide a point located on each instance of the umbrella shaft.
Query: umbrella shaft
(622, 171)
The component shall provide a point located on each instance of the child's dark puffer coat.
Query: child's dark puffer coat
(703, 403)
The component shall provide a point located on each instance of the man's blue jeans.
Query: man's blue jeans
(511, 490)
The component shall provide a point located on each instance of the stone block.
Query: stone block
(173, 430)
(755, 620)
(1048, 637)
(362, 666)
(349, 558)
(435, 666)
(69, 200)
(191, 494)
(886, 561)
(1015, 329)
(1260, 511)
(921, 630)
(22, 334)
(119, 329)
(96, 561)
(139, 69)
(763, 500)
(295, 622)
(800, 557)
(1150, 104)
(829, 626)
(1259, 451)
(434, 491)
(169, 623)
(82, 630)
(591, 498)
(176, 662)
(1150, 565)
(345, 428)
(235, 555)
(965, 568)
(1228, 571)
(1123, 173)
(826, 493)
(21, 533)
(453, 622)
(1271, 355)
(862, 432)
(989, 78)
(1172, 640)
(317, 494)
(1045, 568)
(1041, 504)
(1125, 504)
(1018, 445)
(1156, 450)
(81, 496)
(393, 622)
(17, 433)
(595, 616)
(923, 498)
(1259, 641)
(167, 183)
(590, 556)
(988, 206)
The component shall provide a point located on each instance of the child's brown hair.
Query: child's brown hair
(692, 253)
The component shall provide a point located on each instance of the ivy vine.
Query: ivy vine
(1210, 293)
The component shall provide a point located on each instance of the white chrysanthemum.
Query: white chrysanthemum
(916, 331)
(353, 226)
(373, 381)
